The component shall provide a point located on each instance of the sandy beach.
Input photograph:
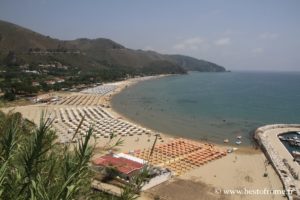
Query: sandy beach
(241, 170)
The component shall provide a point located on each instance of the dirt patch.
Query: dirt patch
(180, 189)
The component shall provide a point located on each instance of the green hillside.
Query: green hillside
(193, 64)
(29, 47)
(31, 62)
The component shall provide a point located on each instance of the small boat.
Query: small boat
(296, 153)
(295, 137)
(226, 140)
(230, 150)
(297, 159)
(239, 137)
(238, 142)
(281, 137)
(294, 143)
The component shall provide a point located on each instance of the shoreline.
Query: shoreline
(240, 174)
(131, 82)
(125, 85)
(237, 165)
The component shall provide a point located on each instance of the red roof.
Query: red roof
(123, 165)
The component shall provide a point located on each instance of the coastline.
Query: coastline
(240, 171)
(131, 82)
(234, 171)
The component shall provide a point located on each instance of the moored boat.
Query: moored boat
(296, 153)
(238, 142)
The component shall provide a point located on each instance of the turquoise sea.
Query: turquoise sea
(213, 106)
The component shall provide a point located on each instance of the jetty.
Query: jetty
(281, 159)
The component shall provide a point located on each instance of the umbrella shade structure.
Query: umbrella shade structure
(181, 155)
(103, 123)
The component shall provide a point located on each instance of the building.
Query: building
(35, 83)
(59, 80)
(50, 82)
(126, 168)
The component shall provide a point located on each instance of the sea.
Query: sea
(213, 106)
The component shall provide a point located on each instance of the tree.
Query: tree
(34, 166)
(11, 59)
(44, 86)
(9, 94)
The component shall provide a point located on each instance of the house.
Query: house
(50, 82)
(59, 80)
(31, 71)
(125, 167)
(35, 83)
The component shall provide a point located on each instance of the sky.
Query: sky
(237, 34)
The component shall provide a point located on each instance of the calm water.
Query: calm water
(213, 106)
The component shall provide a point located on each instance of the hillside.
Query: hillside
(19, 46)
(193, 64)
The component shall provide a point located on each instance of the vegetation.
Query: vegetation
(33, 166)
(193, 64)
(27, 57)
(40, 59)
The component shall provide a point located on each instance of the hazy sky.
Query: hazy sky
(238, 34)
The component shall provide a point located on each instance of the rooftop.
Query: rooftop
(123, 165)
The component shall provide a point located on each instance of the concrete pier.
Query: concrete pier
(281, 159)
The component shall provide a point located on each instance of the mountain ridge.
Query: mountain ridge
(30, 47)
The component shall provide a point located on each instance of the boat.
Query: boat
(239, 137)
(295, 137)
(230, 150)
(296, 153)
(281, 137)
(297, 159)
(294, 143)
(226, 140)
(238, 142)
(288, 138)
